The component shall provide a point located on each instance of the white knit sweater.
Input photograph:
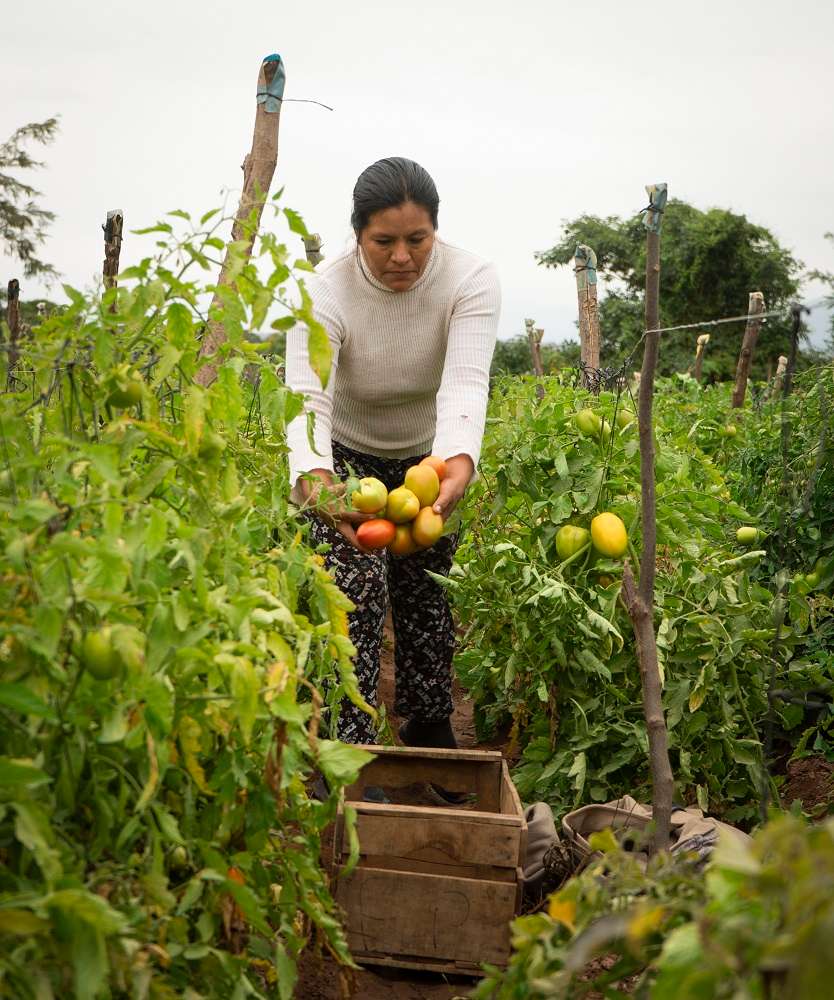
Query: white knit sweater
(410, 369)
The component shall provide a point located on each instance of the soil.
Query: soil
(811, 782)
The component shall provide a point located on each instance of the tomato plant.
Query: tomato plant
(169, 645)
(548, 648)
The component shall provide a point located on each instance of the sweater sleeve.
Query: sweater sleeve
(301, 378)
(464, 387)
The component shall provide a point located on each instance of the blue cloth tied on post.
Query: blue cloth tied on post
(653, 212)
(273, 94)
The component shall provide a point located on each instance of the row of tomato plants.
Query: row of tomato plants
(169, 643)
(548, 650)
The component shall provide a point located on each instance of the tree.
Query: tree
(512, 357)
(711, 261)
(23, 224)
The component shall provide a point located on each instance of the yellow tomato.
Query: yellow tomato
(608, 533)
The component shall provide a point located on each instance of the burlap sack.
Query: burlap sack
(690, 831)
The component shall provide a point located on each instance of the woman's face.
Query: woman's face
(397, 243)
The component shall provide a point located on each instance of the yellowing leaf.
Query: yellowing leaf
(563, 911)
(195, 416)
(189, 733)
(149, 790)
(603, 840)
(645, 922)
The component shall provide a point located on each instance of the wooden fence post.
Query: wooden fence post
(112, 246)
(258, 170)
(781, 366)
(585, 268)
(751, 334)
(700, 350)
(639, 597)
(534, 339)
(13, 322)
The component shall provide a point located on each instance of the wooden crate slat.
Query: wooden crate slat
(455, 839)
(427, 916)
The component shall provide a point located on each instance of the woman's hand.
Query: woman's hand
(459, 471)
(332, 508)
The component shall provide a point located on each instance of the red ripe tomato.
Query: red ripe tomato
(376, 534)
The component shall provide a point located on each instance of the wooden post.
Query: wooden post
(534, 339)
(258, 169)
(796, 328)
(585, 268)
(13, 321)
(700, 350)
(112, 246)
(751, 334)
(781, 366)
(639, 598)
(312, 247)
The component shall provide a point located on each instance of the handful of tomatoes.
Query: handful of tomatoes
(404, 521)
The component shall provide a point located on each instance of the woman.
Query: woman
(412, 324)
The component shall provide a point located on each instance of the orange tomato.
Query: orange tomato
(376, 534)
(403, 544)
(235, 875)
(424, 483)
(427, 527)
(437, 463)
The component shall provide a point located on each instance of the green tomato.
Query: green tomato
(812, 579)
(747, 535)
(624, 418)
(588, 422)
(212, 446)
(570, 539)
(126, 394)
(98, 654)
(729, 431)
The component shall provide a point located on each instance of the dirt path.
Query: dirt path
(320, 979)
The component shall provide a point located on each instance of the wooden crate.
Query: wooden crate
(435, 888)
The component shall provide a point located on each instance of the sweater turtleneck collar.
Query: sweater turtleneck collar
(434, 254)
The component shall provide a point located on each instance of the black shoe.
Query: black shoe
(415, 733)
(452, 800)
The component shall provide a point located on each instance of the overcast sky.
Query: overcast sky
(525, 113)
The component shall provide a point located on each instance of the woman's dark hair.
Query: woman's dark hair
(389, 183)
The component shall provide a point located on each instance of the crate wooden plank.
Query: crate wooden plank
(427, 916)
(434, 812)
(432, 753)
(429, 965)
(429, 864)
(465, 838)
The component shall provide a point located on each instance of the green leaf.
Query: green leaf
(296, 223)
(341, 763)
(20, 774)
(19, 698)
(318, 349)
(245, 687)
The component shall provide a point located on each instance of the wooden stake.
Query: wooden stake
(755, 307)
(585, 268)
(781, 367)
(112, 246)
(534, 338)
(13, 321)
(258, 170)
(639, 599)
(700, 350)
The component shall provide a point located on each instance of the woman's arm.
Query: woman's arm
(464, 387)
